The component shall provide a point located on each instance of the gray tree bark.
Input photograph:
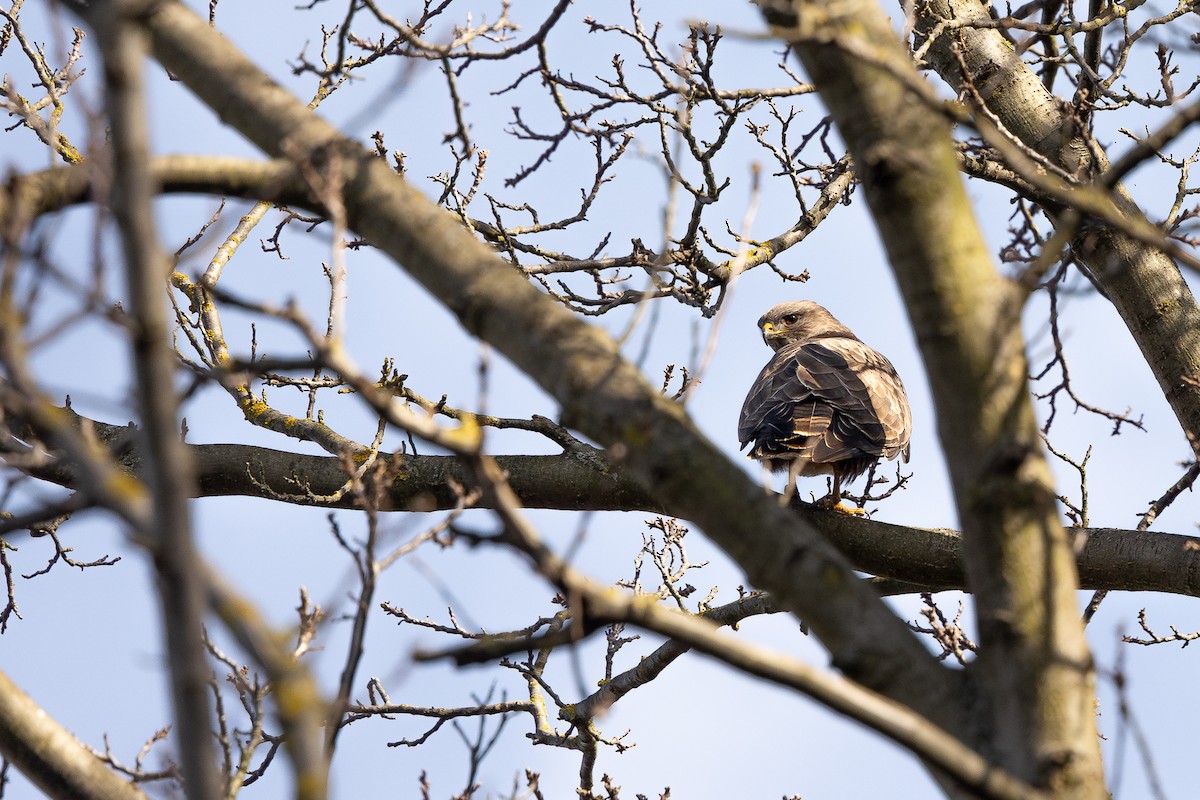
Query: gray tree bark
(1143, 283)
(1033, 676)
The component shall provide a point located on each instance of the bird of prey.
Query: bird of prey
(825, 404)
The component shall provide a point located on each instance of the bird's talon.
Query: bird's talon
(829, 503)
(853, 511)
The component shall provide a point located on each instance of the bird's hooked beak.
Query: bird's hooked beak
(771, 335)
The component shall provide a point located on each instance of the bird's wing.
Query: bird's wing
(767, 410)
(836, 396)
(889, 403)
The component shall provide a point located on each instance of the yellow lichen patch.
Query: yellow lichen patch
(539, 704)
(832, 577)
(253, 409)
(125, 487)
(236, 606)
(468, 434)
(293, 697)
(634, 436)
(311, 784)
(197, 301)
(760, 255)
(69, 152)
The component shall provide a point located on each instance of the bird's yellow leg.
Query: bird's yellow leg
(833, 500)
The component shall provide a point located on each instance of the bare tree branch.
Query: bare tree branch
(595, 603)
(1116, 559)
(50, 756)
(602, 395)
(168, 473)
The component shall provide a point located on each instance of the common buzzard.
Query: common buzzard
(825, 403)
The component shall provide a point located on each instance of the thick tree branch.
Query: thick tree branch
(1034, 669)
(929, 559)
(26, 197)
(593, 603)
(301, 710)
(1143, 284)
(168, 475)
(49, 756)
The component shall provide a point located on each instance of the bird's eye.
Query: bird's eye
(790, 319)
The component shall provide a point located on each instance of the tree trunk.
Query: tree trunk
(1034, 673)
(1143, 284)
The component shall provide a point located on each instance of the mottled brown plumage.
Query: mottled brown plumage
(825, 403)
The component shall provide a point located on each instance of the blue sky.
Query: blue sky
(88, 650)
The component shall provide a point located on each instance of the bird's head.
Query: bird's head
(797, 321)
